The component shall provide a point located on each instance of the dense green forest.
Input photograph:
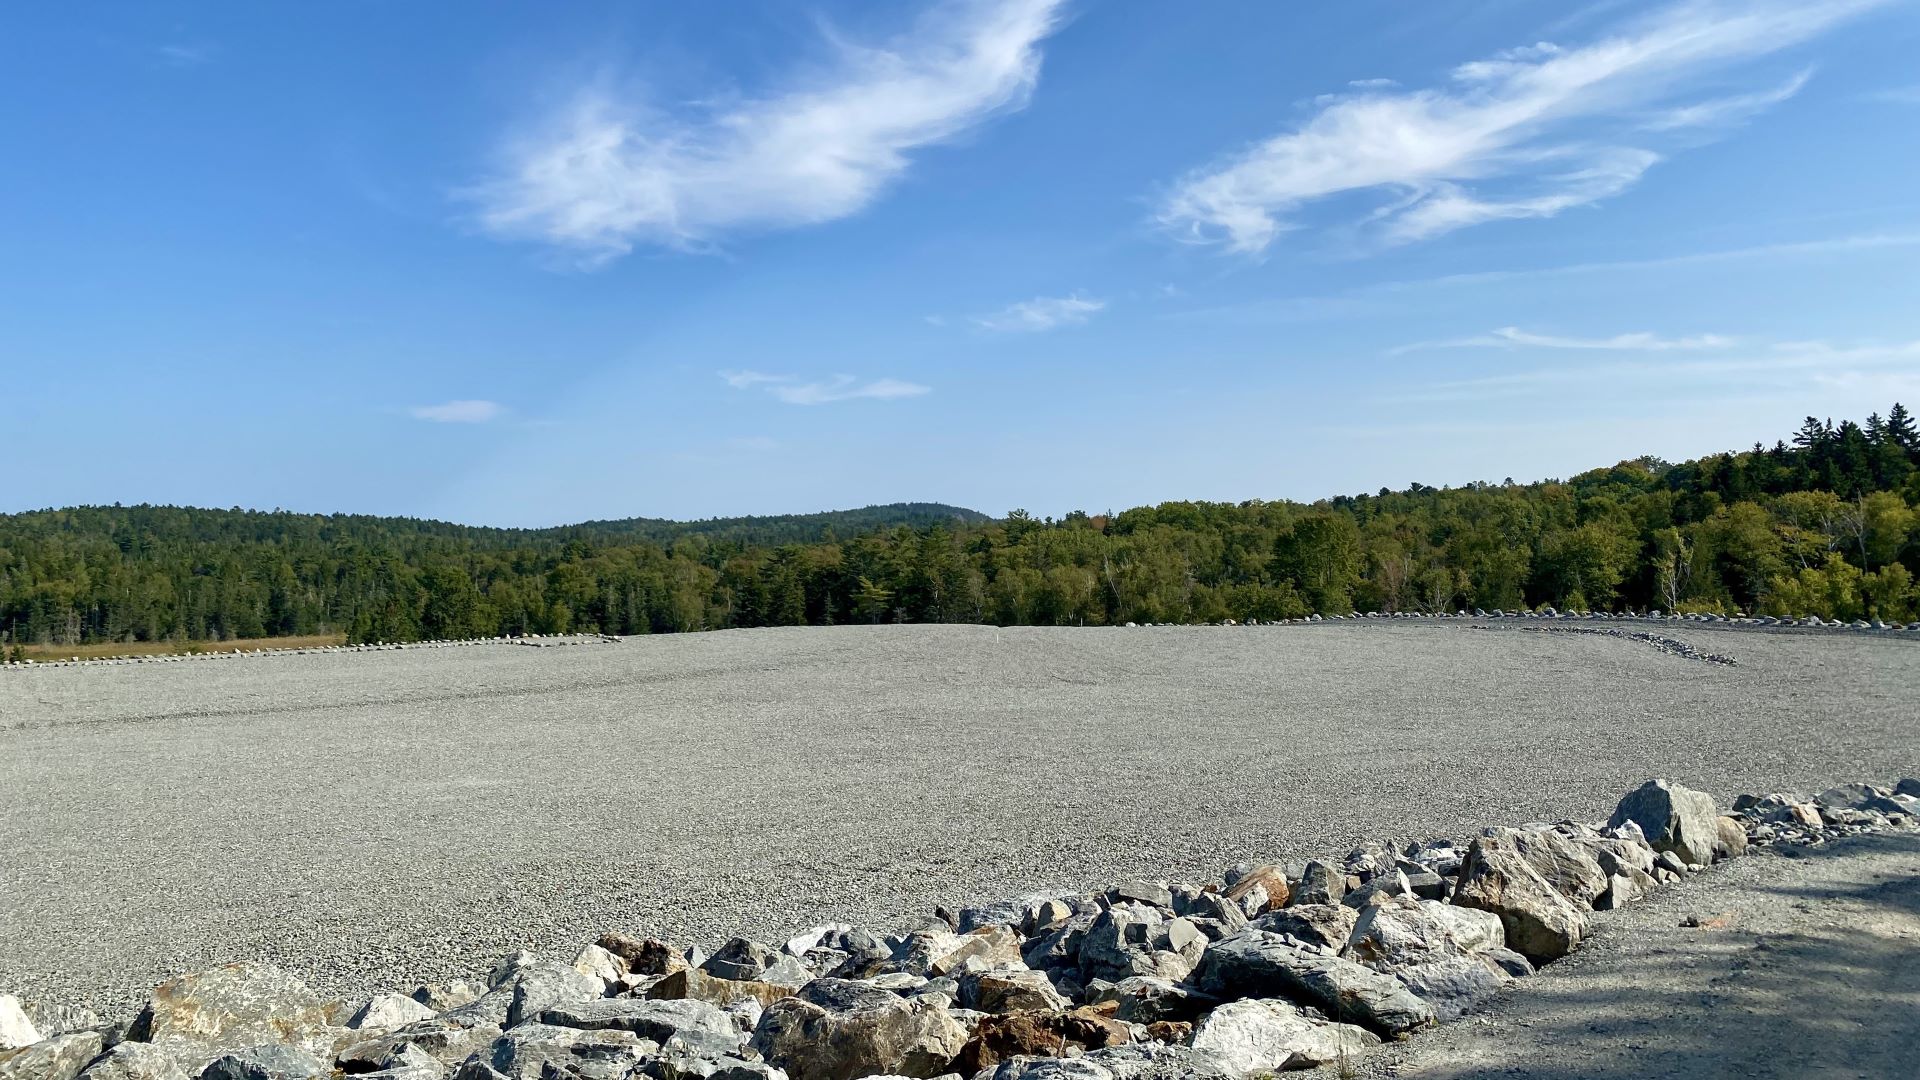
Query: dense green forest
(1822, 524)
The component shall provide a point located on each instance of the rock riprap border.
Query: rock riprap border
(1276, 967)
(1545, 613)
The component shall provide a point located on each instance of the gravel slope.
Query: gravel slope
(368, 818)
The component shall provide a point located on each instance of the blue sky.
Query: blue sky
(539, 263)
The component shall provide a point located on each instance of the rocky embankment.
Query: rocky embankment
(1275, 967)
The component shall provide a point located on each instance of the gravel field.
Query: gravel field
(376, 819)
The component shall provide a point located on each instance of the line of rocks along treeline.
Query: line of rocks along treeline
(1825, 525)
(1276, 967)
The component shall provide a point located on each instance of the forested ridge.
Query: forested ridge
(1823, 523)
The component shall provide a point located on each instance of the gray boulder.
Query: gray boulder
(1453, 985)
(535, 1051)
(1135, 1061)
(144, 1061)
(1475, 930)
(1120, 944)
(1325, 925)
(385, 1011)
(273, 1061)
(235, 1006)
(1254, 963)
(1397, 932)
(1255, 1037)
(16, 1028)
(1563, 863)
(1005, 990)
(1673, 818)
(59, 1058)
(1539, 921)
(692, 1022)
(839, 1030)
(1145, 1000)
(1319, 884)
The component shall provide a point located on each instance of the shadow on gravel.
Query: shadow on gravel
(1802, 981)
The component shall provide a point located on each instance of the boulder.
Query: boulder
(1563, 863)
(1509, 962)
(1325, 925)
(1271, 879)
(1144, 999)
(1378, 888)
(389, 1011)
(834, 1029)
(1624, 889)
(1120, 944)
(1255, 1037)
(1732, 840)
(1673, 818)
(1045, 915)
(1453, 985)
(59, 1058)
(148, 1061)
(643, 956)
(1475, 930)
(696, 985)
(445, 1039)
(596, 962)
(1006, 990)
(692, 1022)
(1539, 921)
(270, 1062)
(237, 1005)
(1134, 1061)
(999, 1038)
(16, 1029)
(1151, 893)
(1214, 907)
(542, 985)
(144, 1061)
(440, 997)
(1908, 787)
(1254, 963)
(536, 1051)
(675, 1064)
(1617, 855)
(741, 960)
(1397, 932)
(409, 1063)
(1319, 884)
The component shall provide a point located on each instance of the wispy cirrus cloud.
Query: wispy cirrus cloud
(1527, 133)
(1719, 112)
(1042, 313)
(795, 390)
(458, 412)
(1895, 95)
(614, 170)
(1512, 337)
(1781, 365)
(187, 54)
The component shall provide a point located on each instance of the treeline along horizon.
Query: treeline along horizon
(1823, 523)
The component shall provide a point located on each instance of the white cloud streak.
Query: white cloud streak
(611, 171)
(1784, 364)
(458, 412)
(1528, 133)
(1512, 337)
(794, 390)
(1042, 313)
(1720, 112)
